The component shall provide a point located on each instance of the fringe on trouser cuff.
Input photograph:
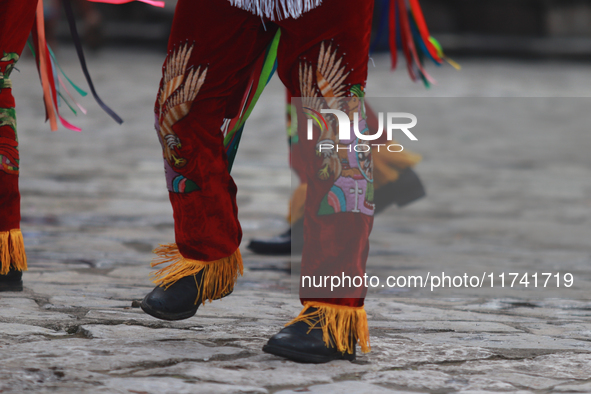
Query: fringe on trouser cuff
(342, 326)
(12, 251)
(219, 276)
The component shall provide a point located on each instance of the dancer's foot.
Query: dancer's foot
(290, 241)
(405, 189)
(302, 342)
(177, 302)
(12, 281)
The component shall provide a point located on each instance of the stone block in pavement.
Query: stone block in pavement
(343, 387)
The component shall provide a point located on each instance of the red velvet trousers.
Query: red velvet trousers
(212, 49)
(16, 20)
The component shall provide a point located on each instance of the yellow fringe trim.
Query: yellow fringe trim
(12, 251)
(219, 276)
(338, 323)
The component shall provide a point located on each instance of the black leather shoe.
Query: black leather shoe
(404, 190)
(283, 244)
(296, 344)
(12, 281)
(179, 301)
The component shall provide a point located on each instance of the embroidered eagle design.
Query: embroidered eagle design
(180, 86)
(328, 80)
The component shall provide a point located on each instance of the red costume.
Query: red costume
(213, 49)
(16, 20)
(217, 49)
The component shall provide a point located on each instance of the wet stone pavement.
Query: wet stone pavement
(94, 205)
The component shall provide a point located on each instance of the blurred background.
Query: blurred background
(524, 28)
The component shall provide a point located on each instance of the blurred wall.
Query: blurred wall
(475, 27)
(510, 17)
(512, 27)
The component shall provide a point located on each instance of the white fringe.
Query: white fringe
(277, 9)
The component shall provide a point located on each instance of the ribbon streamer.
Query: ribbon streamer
(151, 2)
(79, 51)
(39, 32)
(409, 33)
(78, 89)
(63, 85)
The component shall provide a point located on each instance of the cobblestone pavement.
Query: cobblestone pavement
(95, 205)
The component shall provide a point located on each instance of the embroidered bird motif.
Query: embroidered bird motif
(176, 96)
(328, 79)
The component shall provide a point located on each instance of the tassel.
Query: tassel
(440, 53)
(48, 72)
(419, 19)
(12, 251)
(339, 325)
(4, 253)
(277, 9)
(409, 32)
(39, 35)
(219, 276)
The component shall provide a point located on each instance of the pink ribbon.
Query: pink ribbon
(151, 2)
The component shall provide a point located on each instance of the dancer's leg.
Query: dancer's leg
(212, 49)
(16, 20)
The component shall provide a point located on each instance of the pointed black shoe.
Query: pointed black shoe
(295, 343)
(283, 244)
(177, 302)
(12, 281)
(278, 245)
(405, 189)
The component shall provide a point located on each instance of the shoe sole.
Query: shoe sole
(167, 316)
(173, 316)
(269, 249)
(295, 246)
(305, 357)
(406, 189)
(17, 286)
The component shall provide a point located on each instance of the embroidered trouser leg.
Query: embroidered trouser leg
(325, 53)
(212, 49)
(387, 166)
(16, 20)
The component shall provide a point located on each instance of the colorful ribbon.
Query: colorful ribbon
(410, 35)
(80, 52)
(151, 2)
